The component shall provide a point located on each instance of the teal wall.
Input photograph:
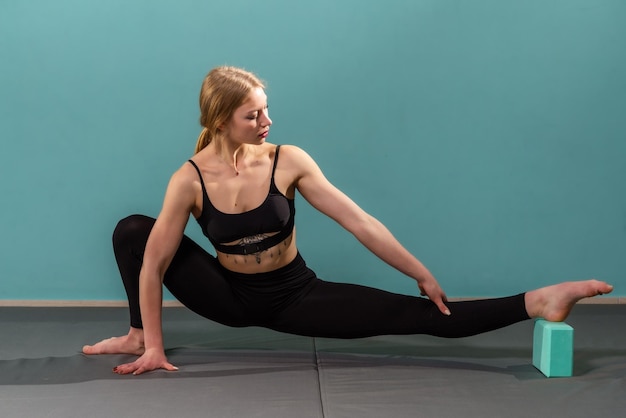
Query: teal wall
(489, 135)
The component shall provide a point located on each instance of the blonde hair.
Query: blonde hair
(223, 90)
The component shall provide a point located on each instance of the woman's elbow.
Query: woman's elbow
(362, 226)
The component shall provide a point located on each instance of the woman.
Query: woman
(258, 277)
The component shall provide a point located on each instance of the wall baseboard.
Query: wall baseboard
(77, 303)
(177, 304)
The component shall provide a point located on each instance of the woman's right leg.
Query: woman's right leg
(194, 277)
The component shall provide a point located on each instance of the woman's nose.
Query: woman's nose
(265, 119)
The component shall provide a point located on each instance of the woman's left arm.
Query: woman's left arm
(321, 194)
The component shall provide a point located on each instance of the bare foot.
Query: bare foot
(554, 303)
(127, 344)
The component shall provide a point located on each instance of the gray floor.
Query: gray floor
(254, 372)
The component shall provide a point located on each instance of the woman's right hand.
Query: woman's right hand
(151, 359)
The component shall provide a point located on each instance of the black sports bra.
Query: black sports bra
(251, 228)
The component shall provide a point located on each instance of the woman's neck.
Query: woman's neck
(232, 154)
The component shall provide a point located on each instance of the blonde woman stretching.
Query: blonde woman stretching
(241, 190)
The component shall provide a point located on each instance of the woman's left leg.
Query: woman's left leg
(339, 310)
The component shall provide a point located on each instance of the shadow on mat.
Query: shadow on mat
(206, 363)
(83, 368)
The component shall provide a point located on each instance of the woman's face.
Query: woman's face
(250, 122)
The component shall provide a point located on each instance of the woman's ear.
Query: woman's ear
(221, 126)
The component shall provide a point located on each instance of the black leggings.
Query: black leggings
(293, 300)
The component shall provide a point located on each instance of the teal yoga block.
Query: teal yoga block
(553, 348)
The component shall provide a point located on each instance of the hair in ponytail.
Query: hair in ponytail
(223, 90)
(203, 140)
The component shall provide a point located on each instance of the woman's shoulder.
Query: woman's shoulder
(186, 178)
(293, 153)
(296, 156)
(298, 163)
(293, 148)
(188, 170)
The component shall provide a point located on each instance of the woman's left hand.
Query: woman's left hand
(429, 287)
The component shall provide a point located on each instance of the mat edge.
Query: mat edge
(177, 304)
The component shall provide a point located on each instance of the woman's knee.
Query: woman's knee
(133, 227)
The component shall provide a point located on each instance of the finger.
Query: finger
(443, 308)
(166, 366)
(124, 368)
(440, 305)
(118, 369)
(170, 367)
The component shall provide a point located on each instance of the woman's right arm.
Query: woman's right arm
(162, 244)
